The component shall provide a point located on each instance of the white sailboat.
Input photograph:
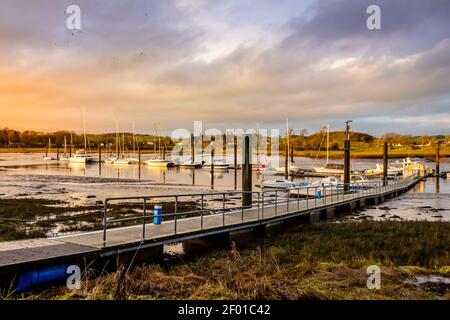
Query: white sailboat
(123, 160)
(158, 162)
(49, 147)
(82, 156)
(64, 157)
(218, 164)
(329, 168)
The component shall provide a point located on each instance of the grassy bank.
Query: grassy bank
(326, 261)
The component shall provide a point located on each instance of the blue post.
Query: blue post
(157, 212)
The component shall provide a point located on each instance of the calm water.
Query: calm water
(28, 175)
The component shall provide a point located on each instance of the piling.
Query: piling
(438, 160)
(212, 167)
(99, 154)
(139, 156)
(292, 154)
(385, 163)
(247, 171)
(235, 162)
(46, 151)
(347, 158)
(164, 151)
(192, 148)
(286, 161)
(57, 154)
(224, 150)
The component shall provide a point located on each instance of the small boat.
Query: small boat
(284, 184)
(64, 157)
(81, 156)
(292, 168)
(278, 184)
(121, 161)
(190, 164)
(447, 175)
(330, 168)
(111, 159)
(218, 164)
(159, 163)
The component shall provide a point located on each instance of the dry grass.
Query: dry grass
(327, 261)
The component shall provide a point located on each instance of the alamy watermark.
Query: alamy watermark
(374, 279)
(374, 20)
(73, 21)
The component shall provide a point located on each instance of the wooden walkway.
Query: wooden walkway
(30, 251)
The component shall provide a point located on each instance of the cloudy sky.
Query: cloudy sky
(228, 63)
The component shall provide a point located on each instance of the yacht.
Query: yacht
(218, 164)
(81, 156)
(159, 163)
(121, 161)
(330, 168)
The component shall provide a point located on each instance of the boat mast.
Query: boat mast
(84, 129)
(65, 145)
(134, 138)
(257, 144)
(117, 139)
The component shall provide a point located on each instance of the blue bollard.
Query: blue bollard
(319, 194)
(157, 212)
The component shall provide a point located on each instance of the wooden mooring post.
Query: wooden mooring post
(247, 171)
(385, 163)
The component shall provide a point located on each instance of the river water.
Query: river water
(28, 175)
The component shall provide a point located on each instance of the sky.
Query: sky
(163, 64)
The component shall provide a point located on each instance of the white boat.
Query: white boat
(81, 156)
(159, 163)
(64, 157)
(111, 159)
(49, 147)
(121, 161)
(218, 164)
(278, 184)
(330, 168)
(448, 175)
(190, 164)
(291, 166)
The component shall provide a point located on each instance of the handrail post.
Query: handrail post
(298, 198)
(315, 197)
(289, 198)
(143, 219)
(104, 222)
(175, 214)
(223, 209)
(201, 212)
(258, 204)
(262, 210)
(307, 197)
(276, 201)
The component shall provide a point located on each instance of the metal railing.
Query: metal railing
(281, 201)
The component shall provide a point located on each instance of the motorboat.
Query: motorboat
(283, 184)
(393, 170)
(292, 168)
